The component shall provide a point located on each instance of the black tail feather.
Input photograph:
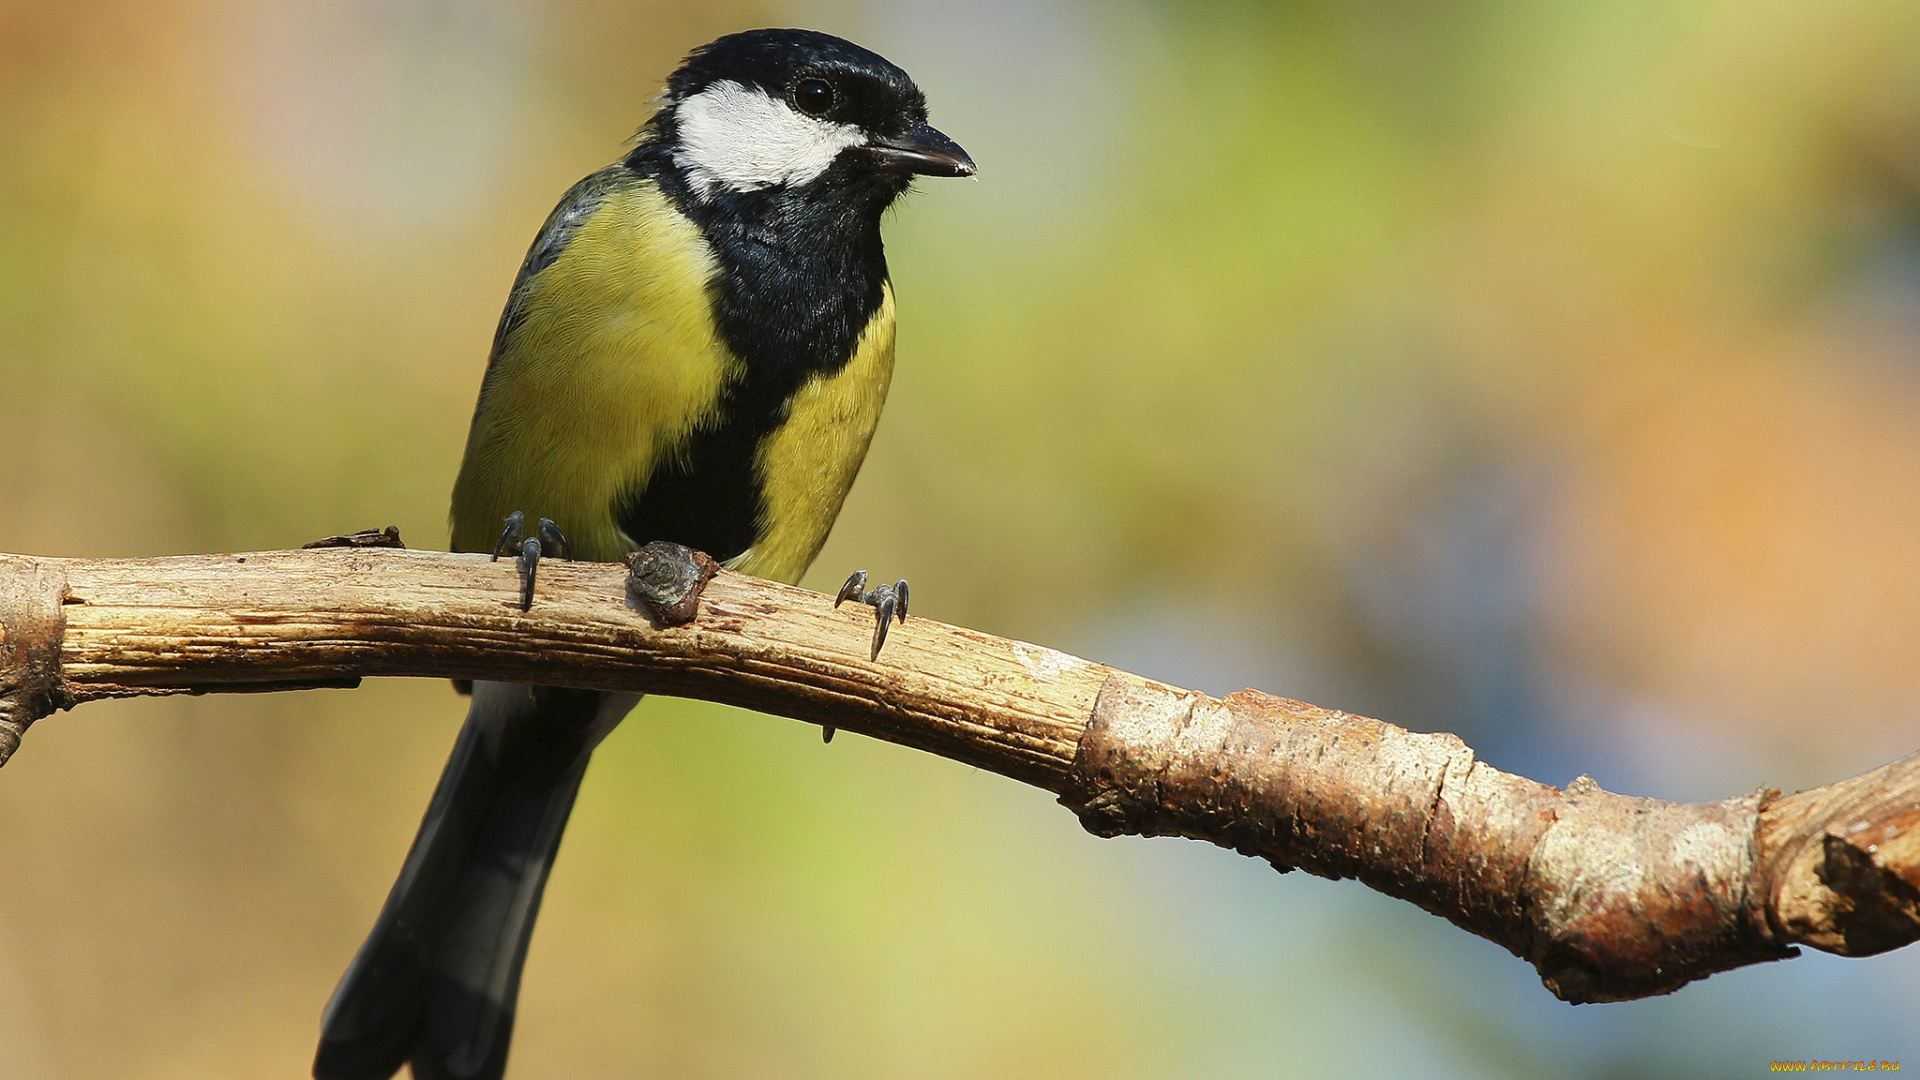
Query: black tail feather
(436, 981)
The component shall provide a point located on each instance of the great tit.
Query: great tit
(696, 349)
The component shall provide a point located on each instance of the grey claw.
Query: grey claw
(549, 541)
(553, 541)
(888, 602)
(529, 562)
(855, 589)
(826, 733)
(511, 532)
(884, 603)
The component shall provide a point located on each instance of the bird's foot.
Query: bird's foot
(887, 601)
(547, 540)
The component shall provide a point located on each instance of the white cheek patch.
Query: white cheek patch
(742, 139)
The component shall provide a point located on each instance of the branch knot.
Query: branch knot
(665, 581)
(32, 624)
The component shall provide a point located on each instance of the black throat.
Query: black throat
(800, 276)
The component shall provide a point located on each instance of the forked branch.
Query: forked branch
(1609, 897)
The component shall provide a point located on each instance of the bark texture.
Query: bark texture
(1608, 896)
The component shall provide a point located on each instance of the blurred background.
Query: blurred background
(1544, 372)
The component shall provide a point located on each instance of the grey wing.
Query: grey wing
(575, 207)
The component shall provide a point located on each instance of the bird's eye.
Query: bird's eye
(813, 96)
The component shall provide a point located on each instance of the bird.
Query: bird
(696, 349)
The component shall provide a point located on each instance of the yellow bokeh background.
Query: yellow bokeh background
(1548, 373)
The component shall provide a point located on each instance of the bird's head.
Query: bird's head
(797, 109)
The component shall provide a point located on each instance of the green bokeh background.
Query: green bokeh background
(1545, 372)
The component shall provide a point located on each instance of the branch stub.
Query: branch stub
(32, 624)
(665, 582)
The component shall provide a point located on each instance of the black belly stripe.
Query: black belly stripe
(708, 496)
(799, 279)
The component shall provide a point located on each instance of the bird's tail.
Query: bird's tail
(436, 980)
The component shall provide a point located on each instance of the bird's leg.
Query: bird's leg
(513, 538)
(889, 604)
(887, 601)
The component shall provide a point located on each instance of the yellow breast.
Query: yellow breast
(808, 463)
(614, 360)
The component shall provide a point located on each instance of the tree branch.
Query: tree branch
(1609, 897)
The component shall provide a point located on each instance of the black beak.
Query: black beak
(923, 150)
